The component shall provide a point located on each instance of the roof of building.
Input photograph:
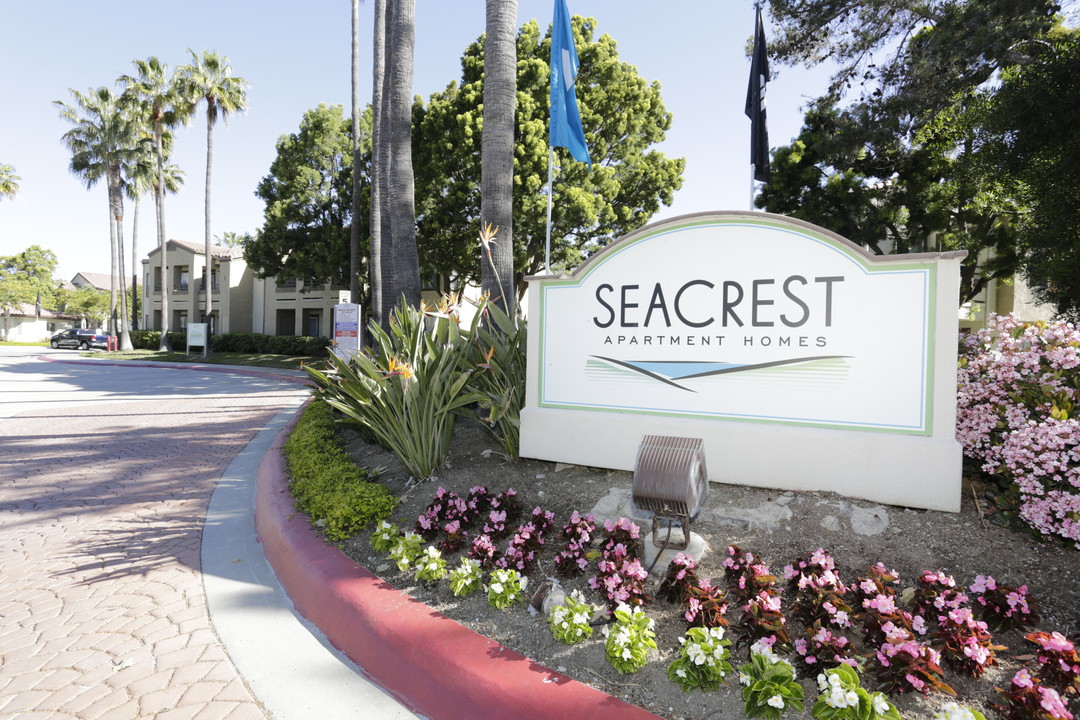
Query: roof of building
(101, 281)
(218, 251)
(30, 310)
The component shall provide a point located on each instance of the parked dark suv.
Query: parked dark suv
(82, 339)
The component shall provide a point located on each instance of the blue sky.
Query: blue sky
(296, 55)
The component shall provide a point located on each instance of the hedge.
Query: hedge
(239, 343)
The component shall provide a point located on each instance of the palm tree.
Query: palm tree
(354, 230)
(164, 105)
(497, 151)
(210, 78)
(401, 32)
(9, 181)
(140, 177)
(104, 136)
(380, 268)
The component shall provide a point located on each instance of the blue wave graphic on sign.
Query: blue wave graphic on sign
(669, 371)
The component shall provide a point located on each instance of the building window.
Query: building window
(286, 322)
(312, 322)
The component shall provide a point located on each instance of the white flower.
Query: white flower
(680, 672)
(881, 705)
(626, 654)
(497, 588)
(822, 682)
(744, 679)
(852, 698)
(777, 702)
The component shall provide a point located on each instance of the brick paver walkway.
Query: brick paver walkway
(102, 610)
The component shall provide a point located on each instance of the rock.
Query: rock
(869, 521)
(831, 523)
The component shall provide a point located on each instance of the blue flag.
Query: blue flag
(565, 129)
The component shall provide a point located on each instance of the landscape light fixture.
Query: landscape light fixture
(671, 481)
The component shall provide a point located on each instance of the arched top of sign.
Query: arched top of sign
(732, 219)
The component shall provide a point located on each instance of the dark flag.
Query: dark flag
(755, 103)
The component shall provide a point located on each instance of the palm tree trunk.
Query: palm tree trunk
(134, 264)
(401, 36)
(354, 230)
(380, 278)
(159, 202)
(208, 267)
(111, 330)
(497, 151)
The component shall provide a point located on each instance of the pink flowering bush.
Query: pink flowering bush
(1004, 607)
(681, 576)
(820, 648)
(936, 594)
(746, 576)
(525, 546)
(620, 576)
(1059, 661)
(965, 642)
(905, 664)
(762, 618)
(1027, 699)
(1018, 387)
(578, 534)
(705, 606)
(819, 593)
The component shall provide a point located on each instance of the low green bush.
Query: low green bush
(324, 482)
(405, 389)
(252, 343)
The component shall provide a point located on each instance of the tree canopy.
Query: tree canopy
(928, 136)
(623, 116)
(306, 229)
(25, 275)
(308, 196)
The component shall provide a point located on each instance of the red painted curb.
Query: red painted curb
(430, 663)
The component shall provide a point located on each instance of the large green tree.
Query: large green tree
(623, 116)
(26, 277)
(1025, 137)
(209, 78)
(884, 193)
(906, 164)
(308, 197)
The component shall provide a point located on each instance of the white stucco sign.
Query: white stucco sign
(801, 360)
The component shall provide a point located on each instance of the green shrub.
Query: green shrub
(405, 388)
(324, 482)
(251, 343)
(496, 349)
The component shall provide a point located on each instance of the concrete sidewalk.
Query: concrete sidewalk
(106, 478)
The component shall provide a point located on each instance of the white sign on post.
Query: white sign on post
(801, 360)
(346, 330)
(196, 335)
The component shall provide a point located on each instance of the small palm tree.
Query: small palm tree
(9, 181)
(209, 78)
(140, 177)
(105, 136)
(163, 105)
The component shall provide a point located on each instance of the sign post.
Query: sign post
(803, 361)
(196, 337)
(346, 330)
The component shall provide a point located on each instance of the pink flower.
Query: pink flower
(1022, 679)
(1051, 702)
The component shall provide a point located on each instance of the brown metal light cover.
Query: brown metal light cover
(671, 481)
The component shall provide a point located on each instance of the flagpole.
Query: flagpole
(547, 237)
(752, 171)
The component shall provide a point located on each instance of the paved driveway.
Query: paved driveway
(105, 476)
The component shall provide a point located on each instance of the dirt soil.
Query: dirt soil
(775, 525)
